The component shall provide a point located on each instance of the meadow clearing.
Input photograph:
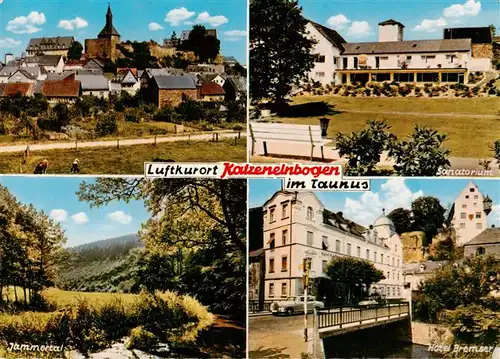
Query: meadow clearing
(467, 136)
(126, 159)
(87, 322)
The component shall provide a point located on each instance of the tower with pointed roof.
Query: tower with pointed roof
(104, 47)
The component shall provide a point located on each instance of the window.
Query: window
(358, 251)
(337, 246)
(478, 214)
(393, 261)
(464, 206)
(319, 58)
(284, 289)
(382, 258)
(284, 263)
(284, 237)
(381, 77)
(345, 62)
(479, 226)
(374, 256)
(271, 215)
(388, 275)
(335, 60)
(398, 262)
(355, 62)
(284, 210)
(271, 265)
(324, 265)
(463, 215)
(310, 239)
(472, 190)
(462, 225)
(367, 254)
(272, 241)
(466, 196)
(450, 77)
(404, 77)
(348, 249)
(398, 275)
(320, 74)
(310, 213)
(480, 250)
(476, 196)
(426, 58)
(408, 57)
(427, 77)
(324, 243)
(271, 289)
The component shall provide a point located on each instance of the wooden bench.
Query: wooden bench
(285, 132)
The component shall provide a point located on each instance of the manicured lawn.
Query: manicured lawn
(477, 106)
(467, 137)
(127, 159)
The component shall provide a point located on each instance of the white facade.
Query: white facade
(452, 60)
(328, 56)
(469, 217)
(294, 229)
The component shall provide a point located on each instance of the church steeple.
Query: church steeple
(108, 30)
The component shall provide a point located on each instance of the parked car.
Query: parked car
(368, 303)
(295, 304)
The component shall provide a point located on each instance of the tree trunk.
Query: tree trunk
(229, 220)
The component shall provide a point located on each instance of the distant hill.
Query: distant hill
(107, 265)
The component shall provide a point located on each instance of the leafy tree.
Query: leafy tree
(364, 149)
(402, 219)
(209, 49)
(428, 216)
(455, 285)
(280, 49)
(236, 110)
(421, 154)
(445, 250)
(353, 275)
(106, 125)
(75, 51)
(191, 110)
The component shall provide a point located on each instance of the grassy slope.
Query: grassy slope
(466, 137)
(127, 159)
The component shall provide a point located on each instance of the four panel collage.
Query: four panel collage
(299, 179)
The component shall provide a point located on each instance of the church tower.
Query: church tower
(104, 47)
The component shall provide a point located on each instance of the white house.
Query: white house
(327, 52)
(127, 81)
(391, 58)
(298, 226)
(469, 213)
(51, 63)
(95, 85)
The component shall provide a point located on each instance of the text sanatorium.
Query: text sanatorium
(234, 170)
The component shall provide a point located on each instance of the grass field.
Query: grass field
(126, 159)
(476, 106)
(467, 137)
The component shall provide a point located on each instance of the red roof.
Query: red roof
(211, 88)
(120, 70)
(76, 62)
(68, 87)
(24, 88)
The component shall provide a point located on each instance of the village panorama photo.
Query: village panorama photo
(94, 90)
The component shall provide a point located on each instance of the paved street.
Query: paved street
(277, 336)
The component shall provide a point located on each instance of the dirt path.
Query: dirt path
(111, 143)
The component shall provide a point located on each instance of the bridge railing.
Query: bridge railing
(331, 317)
(255, 306)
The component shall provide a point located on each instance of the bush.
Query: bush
(166, 114)
(474, 324)
(142, 339)
(106, 125)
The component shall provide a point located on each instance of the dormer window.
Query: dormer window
(422, 267)
(310, 213)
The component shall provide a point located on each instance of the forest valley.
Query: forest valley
(187, 262)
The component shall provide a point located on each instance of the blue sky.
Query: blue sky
(357, 21)
(56, 196)
(388, 194)
(21, 20)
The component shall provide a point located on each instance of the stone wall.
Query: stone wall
(489, 249)
(413, 243)
(482, 51)
(430, 334)
(174, 97)
(101, 48)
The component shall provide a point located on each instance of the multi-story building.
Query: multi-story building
(50, 45)
(469, 213)
(298, 226)
(104, 47)
(391, 58)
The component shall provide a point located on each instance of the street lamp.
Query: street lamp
(324, 122)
